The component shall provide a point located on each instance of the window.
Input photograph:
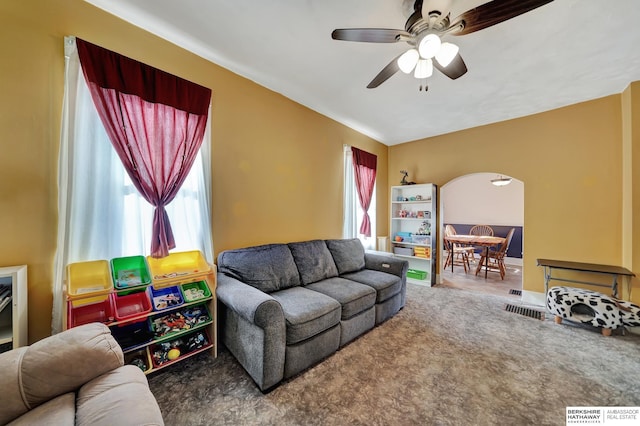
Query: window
(353, 214)
(101, 215)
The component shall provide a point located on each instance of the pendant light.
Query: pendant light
(501, 181)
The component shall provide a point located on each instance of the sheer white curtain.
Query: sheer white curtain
(353, 213)
(100, 213)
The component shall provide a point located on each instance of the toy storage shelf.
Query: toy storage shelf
(412, 229)
(134, 310)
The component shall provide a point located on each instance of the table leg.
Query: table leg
(486, 261)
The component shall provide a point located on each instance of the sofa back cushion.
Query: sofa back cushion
(314, 261)
(268, 267)
(348, 254)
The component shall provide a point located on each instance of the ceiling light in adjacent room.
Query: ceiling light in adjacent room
(501, 181)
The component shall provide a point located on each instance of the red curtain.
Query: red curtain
(364, 167)
(156, 123)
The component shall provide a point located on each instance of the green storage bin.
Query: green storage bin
(417, 274)
(130, 272)
(195, 291)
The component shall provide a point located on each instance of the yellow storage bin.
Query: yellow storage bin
(140, 358)
(88, 282)
(177, 268)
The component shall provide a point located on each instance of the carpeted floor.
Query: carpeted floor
(450, 357)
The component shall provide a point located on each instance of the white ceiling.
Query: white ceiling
(565, 52)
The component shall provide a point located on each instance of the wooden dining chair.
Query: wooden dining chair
(456, 254)
(450, 230)
(480, 230)
(496, 257)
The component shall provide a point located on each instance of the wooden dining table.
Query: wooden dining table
(484, 241)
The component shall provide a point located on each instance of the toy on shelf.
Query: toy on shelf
(182, 320)
(170, 351)
(404, 181)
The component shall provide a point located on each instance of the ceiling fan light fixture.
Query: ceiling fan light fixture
(408, 60)
(429, 46)
(501, 181)
(424, 68)
(447, 52)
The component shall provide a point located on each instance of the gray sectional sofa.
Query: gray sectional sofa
(285, 307)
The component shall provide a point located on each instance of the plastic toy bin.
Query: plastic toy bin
(165, 326)
(130, 272)
(140, 359)
(131, 305)
(403, 251)
(132, 334)
(95, 312)
(88, 282)
(185, 344)
(192, 292)
(165, 298)
(177, 268)
(416, 274)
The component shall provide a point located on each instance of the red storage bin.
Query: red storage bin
(131, 305)
(95, 312)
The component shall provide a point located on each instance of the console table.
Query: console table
(612, 271)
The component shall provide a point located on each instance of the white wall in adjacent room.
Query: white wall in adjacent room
(472, 199)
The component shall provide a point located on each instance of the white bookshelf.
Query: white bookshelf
(413, 219)
(14, 314)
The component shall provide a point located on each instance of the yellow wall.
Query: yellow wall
(631, 182)
(570, 162)
(277, 166)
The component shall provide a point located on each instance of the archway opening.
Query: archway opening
(474, 200)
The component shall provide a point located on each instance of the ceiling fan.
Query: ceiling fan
(424, 30)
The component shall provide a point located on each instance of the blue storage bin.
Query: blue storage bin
(165, 298)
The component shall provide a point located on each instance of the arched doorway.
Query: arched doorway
(471, 200)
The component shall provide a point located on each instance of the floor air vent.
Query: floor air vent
(527, 312)
(516, 292)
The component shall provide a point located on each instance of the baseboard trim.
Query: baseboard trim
(533, 298)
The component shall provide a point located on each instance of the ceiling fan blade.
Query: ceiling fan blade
(391, 68)
(369, 35)
(493, 13)
(457, 67)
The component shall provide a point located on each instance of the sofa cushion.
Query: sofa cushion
(306, 312)
(386, 285)
(268, 267)
(58, 411)
(314, 261)
(124, 389)
(348, 255)
(354, 297)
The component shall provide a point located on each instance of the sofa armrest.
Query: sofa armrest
(253, 328)
(248, 302)
(55, 365)
(388, 264)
